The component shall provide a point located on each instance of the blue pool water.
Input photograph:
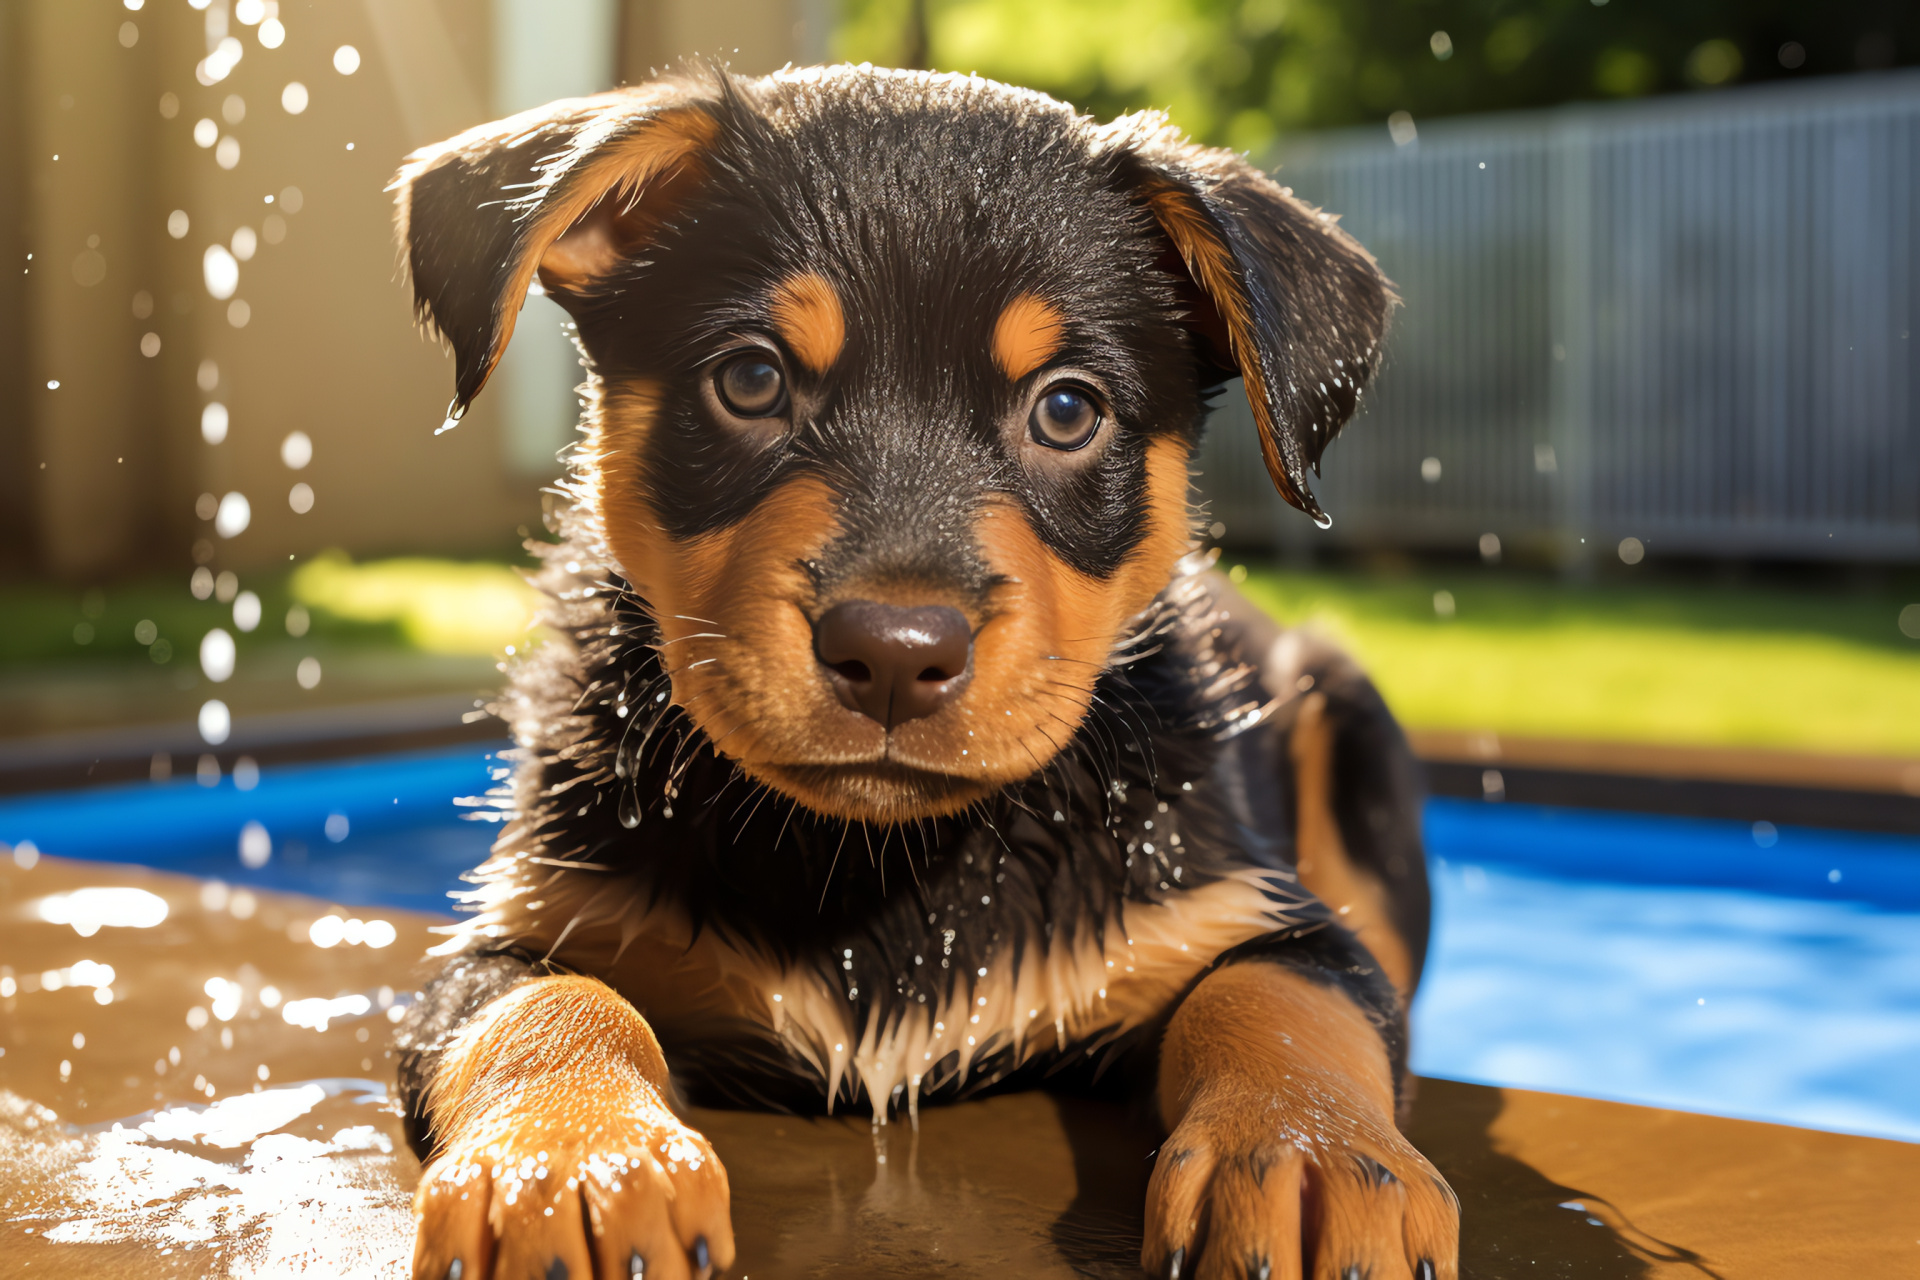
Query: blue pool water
(403, 842)
(1677, 962)
(1724, 1000)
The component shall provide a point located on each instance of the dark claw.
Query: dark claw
(1259, 1268)
(1353, 1272)
(456, 1269)
(636, 1265)
(1175, 1262)
(556, 1270)
(702, 1256)
(1424, 1271)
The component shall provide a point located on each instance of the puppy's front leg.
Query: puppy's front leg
(1282, 1159)
(556, 1154)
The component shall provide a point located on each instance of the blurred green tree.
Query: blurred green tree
(1239, 72)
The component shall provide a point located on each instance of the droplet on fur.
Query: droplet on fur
(629, 809)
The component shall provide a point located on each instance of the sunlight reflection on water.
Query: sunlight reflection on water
(87, 910)
(326, 1205)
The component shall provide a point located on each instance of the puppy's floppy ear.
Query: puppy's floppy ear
(1301, 306)
(563, 190)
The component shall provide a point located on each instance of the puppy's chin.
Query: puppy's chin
(882, 793)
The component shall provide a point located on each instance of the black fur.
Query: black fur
(645, 797)
(933, 203)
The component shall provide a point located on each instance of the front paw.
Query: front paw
(561, 1184)
(1296, 1188)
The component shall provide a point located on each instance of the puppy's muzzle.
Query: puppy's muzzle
(894, 664)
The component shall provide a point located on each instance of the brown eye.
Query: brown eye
(1065, 418)
(751, 386)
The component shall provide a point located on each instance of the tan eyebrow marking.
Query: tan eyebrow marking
(1026, 335)
(807, 312)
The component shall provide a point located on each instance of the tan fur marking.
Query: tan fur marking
(557, 1026)
(614, 230)
(1324, 866)
(731, 603)
(807, 312)
(619, 421)
(1028, 332)
(623, 171)
(1279, 1100)
(1231, 1027)
(732, 608)
(556, 1144)
(1071, 987)
(1211, 263)
(1054, 627)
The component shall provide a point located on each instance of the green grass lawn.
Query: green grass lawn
(1678, 662)
(128, 652)
(428, 605)
(1647, 659)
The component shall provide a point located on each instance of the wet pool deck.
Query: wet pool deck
(305, 1173)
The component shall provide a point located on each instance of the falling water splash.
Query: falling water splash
(225, 35)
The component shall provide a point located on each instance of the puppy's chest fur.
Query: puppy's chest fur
(788, 960)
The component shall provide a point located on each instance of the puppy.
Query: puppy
(893, 743)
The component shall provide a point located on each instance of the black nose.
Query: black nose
(893, 664)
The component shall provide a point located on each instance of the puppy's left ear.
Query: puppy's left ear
(1298, 305)
(566, 191)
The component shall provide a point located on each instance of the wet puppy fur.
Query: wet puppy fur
(807, 900)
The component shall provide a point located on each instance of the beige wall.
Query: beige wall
(330, 348)
(91, 449)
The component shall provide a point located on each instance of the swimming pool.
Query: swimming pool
(1768, 973)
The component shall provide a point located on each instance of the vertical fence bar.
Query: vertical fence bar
(1568, 463)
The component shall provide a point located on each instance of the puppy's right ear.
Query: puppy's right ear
(564, 190)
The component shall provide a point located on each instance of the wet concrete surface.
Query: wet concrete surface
(186, 1115)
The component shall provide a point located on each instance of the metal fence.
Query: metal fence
(1685, 321)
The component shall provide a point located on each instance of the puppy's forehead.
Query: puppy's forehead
(952, 141)
(949, 210)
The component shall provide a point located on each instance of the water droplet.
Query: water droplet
(629, 808)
